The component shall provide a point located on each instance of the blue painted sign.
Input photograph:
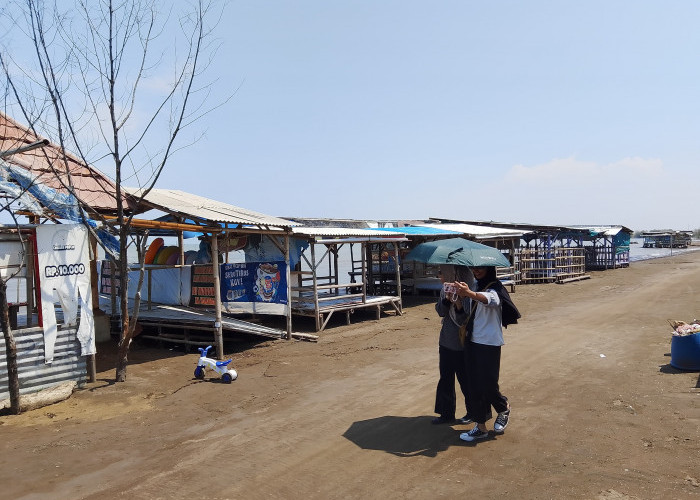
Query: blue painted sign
(254, 282)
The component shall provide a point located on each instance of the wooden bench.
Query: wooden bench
(510, 283)
(508, 277)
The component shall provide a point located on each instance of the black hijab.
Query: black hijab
(489, 279)
(509, 313)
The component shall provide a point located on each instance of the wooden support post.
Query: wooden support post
(352, 264)
(149, 289)
(289, 286)
(398, 269)
(29, 259)
(315, 282)
(181, 247)
(217, 296)
(366, 251)
(95, 296)
(335, 266)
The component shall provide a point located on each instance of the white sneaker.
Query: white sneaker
(501, 422)
(474, 434)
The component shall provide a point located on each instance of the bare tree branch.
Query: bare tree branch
(92, 66)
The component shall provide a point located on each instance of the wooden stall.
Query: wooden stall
(607, 247)
(328, 279)
(542, 254)
(667, 238)
(381, 260)
(552, 265)
(559, 254)
(217, 223)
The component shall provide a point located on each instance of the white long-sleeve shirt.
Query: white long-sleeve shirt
(487, 320)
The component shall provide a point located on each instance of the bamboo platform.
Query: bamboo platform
(552, 265)
(167, 316)
(427, 284)
(327, 306)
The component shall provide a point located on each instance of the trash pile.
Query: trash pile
(681, 328)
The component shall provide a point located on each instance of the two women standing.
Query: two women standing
(489, 308)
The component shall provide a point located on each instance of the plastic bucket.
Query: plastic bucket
(685, 351)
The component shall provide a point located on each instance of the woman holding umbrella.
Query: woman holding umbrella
(453, 311)
(489, 300)
(489, 308)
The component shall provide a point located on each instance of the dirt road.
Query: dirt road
(598, 412)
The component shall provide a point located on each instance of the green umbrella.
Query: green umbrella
(459, 252)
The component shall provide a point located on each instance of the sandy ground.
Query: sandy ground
(598, 412)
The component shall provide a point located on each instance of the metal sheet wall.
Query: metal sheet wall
(34, 374)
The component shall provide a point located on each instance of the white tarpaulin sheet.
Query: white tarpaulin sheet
(168, 285)
(64, 278)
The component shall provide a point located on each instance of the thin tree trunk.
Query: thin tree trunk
(10, 351)
(124, 344)
(141, 252)
(128, 330)
(125, 339)
(127, 327)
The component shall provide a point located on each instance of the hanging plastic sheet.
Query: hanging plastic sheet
(63, 257)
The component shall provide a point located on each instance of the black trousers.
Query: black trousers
(483, 368)
(451, 366)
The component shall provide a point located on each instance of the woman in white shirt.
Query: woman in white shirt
(483, 354)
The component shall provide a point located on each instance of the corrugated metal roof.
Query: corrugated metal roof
(606, 230)
(479, 232)
(93, 188)
(335, 223)
(419, 230)
(663, 232)
(205, 209)
(534, 228)
(344, 232)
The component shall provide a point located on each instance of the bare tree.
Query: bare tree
(10, 344)
(14, 196)
(96, 85)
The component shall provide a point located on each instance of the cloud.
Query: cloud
(574, 191)
(584, 173)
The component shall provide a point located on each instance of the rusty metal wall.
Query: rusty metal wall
(34, 374)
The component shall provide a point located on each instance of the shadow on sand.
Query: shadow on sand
(671, 370)
(404, 436)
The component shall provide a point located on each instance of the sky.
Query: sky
(543, 112)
